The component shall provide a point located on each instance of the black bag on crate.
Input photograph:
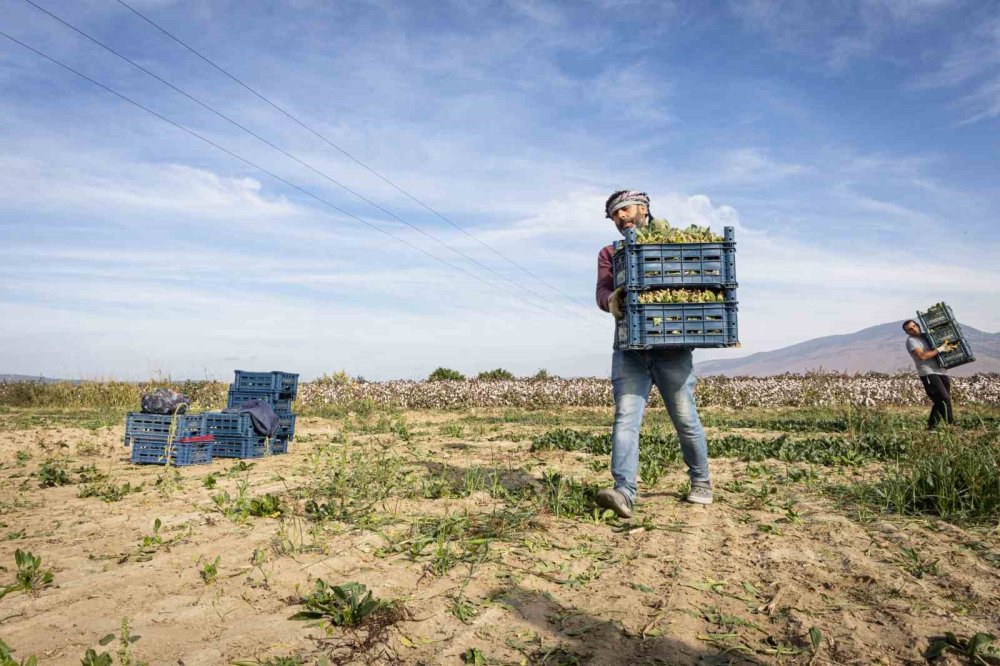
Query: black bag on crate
(265, 421)
(165, 401)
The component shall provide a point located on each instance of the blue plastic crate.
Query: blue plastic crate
(660, 326)
(286, 384)
(939, 313)
(279, 445)
(249, 446)
(939, 326)
(180, 453)
(235, 437)
(666, 265)
(286, 426)
(157, 427)
(280, 405)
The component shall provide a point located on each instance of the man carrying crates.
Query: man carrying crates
(933, 376)
(634, 372)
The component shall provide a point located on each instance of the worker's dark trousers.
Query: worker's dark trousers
(938, 388)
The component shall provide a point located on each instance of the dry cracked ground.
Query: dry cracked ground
(486, 553)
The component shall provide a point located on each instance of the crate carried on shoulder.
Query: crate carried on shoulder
(940, 326)
(644, 267)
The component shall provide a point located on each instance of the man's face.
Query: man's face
(632, 215)
(912, 328)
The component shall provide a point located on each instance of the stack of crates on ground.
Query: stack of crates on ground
(940, 326)
(234, 434)
(192, 439)
(161, 439)
(694, 267)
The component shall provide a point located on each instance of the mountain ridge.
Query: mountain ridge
(879, 348)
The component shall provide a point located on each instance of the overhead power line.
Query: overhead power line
(262, 169)
(348, 155)
(286, 153)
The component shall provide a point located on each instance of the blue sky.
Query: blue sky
(852, 144)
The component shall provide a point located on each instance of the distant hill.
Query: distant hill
(876, 349)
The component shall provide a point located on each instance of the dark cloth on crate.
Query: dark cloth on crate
(165, 401)
(938, 388)
(265, 421)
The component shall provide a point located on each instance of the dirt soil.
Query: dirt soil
(742, 581)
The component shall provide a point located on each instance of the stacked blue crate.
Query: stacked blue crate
(940, 326)
(160, 439)
(235, 431)
(648, 266)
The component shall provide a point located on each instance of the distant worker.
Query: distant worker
(633, 374)
(935, 379)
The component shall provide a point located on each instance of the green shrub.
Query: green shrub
(446, 375)
(499, 373)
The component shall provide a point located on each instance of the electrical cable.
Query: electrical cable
(261, 169)
(323, 138)
(289, 155)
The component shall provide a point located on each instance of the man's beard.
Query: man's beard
(638, 221)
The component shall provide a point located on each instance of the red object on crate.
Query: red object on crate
(200, 439)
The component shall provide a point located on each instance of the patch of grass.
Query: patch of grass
(108, 490)
(567, 497)
(949, 473)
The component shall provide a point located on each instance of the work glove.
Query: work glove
(615, 303)
(945, 347)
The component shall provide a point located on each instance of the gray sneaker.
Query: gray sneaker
(611, 498)
(700, 495)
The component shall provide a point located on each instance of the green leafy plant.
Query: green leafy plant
(52, 473)
(210, 570)
(7, 657)
(660, 231)
(22, 458)
(347, 605)
(980, 648)
(474, 656)
(211, 480)
(265, 506)
(30, 578)
(91, 658)
(681, 296)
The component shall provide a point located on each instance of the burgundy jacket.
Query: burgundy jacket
(605, 276)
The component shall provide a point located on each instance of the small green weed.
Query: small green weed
(30, 578)
(347, 605)
(978, 649)
(91, 658)
(916, 564)
(474, 656)
(210, 570)
(7, 658)
(52, 473)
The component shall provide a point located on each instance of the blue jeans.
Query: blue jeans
(633, 374)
